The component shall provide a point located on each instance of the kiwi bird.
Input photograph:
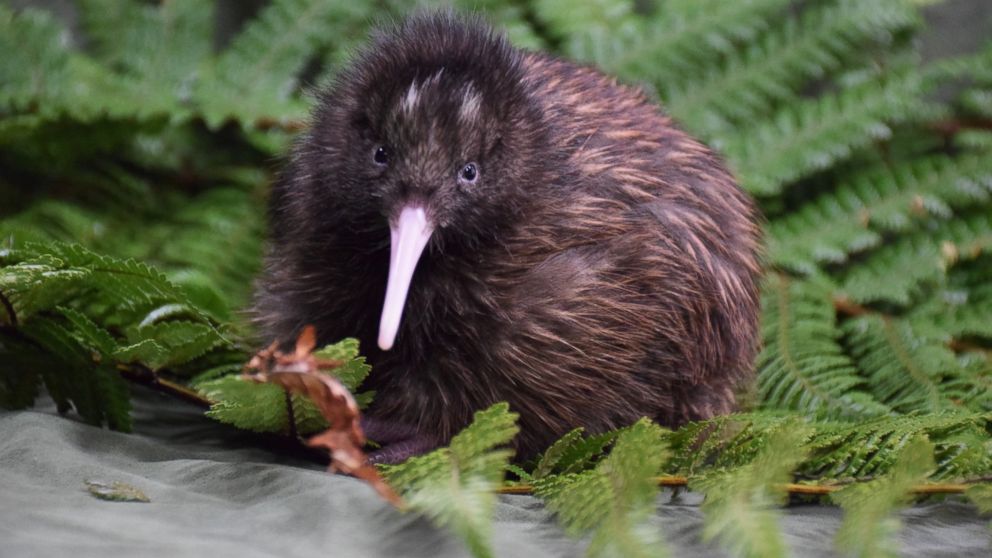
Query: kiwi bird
(497, 225)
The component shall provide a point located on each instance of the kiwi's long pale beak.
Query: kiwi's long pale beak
(408, 237)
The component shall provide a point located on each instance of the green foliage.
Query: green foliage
(911, 371)
(803, 365)
(741, 502)
(454, 486)
(262, 65)
(812, 135)
(86, 314)
(613, 500)
(879, 201)
(136, 156)
(868, 528)
(836, 450)
(264, 407)
(758, 77)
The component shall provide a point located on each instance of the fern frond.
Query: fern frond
(79, 377)
(34, 68)
(46, 275)
(568, 19)
(906, 370)
(835, 451)
(959, 311)
(157, 49)
(869, 529)
(802, 365)
(42, 79)
(897, 273)
(256, 78)
(213, 242)
(573, 453)
(854, 216)
(613, 500)
(870, 448)
(754, 79)
(812, 135)
(741, 503)
(682, 36)
(454, 486)
(262, 407)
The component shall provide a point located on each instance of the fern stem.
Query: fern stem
(848, 307)
(147, 377)
(675, 481)
(952, 127)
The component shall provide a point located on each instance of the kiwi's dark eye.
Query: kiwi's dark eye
(469, 173)
(381, 155)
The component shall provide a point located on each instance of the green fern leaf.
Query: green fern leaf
(182, 341)
(869, 528)
(758, 77)
(260, 407)
(256, 78)
(812, 135)
(34, 68)
(871, 448)
(854, 216)
(678, 39)
(741, 503)
(355, 369)
(802, 366)
(82, 379)
(454, 486)
(898, 273)
(906, 370)
(157, 48)
(614, 499)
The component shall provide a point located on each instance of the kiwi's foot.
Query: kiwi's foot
(398, 442)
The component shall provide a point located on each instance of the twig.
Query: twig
(793, 488)
(266, 123)
(848, 307)
(9, 308)
(952, 127)
(147, 377)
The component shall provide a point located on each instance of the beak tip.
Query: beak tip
(385, 343)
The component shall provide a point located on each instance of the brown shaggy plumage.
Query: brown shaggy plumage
(601, 267)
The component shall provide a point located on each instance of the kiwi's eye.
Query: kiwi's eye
(469, 173)
(381, 155)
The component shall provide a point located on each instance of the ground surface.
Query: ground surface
(217, 492)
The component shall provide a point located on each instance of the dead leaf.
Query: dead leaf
(301, 372)
(116, 491)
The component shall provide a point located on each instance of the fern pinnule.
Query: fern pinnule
(614, 499)
(815, 134)
(868, 530)
(260, 69)
(755, 79)
(672, 43)
(802, 366)
(857, 214)
(899, 273)
(454, 486)
(741, 502)
(906, 370)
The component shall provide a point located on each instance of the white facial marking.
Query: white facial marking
(471, 102)
(410, 100)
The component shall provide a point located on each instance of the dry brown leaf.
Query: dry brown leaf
(303, 373)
